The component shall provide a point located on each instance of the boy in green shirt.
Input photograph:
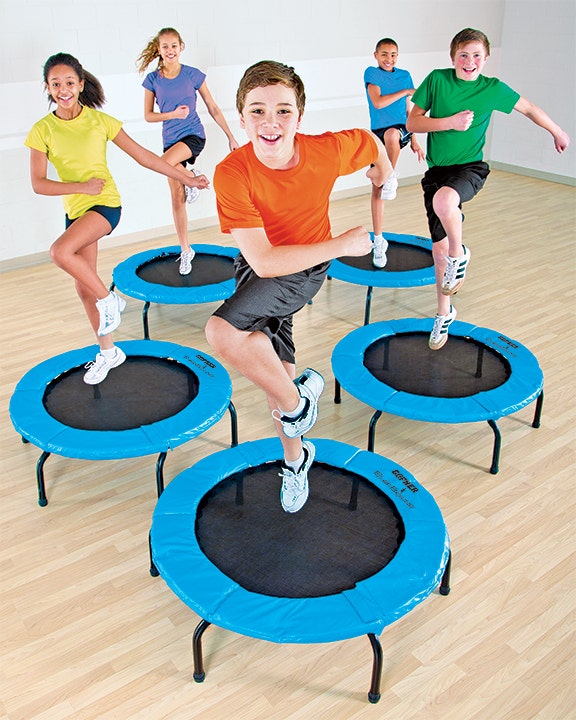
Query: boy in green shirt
(459, 102)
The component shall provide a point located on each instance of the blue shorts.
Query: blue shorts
(405, 136)
(268, 304)
(112, 214)
(467, 179)
(194, 143)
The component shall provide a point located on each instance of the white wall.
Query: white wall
(330, 42)
(538, 60)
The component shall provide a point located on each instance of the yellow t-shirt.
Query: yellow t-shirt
(77, 149)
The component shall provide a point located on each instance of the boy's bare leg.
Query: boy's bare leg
(446, 206)
(252, 354)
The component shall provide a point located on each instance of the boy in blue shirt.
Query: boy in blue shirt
(459, 102)
(388, 90)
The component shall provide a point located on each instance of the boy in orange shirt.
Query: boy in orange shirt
(272, 197)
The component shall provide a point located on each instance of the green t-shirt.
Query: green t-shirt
(77, 149)
(443, 94)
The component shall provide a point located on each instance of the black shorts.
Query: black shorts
(112, 214)
(405, 135)
(467, 179)
(268, 304)
(194, 143)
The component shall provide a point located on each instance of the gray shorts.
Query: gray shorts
(268, 304)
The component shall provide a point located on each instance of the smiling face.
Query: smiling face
(469, 60)
(386, 56)
(170, 47)
(271, 119)
(64, 87)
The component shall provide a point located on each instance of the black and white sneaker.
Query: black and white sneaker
(439, 334)
(295, 489)
(455, 273)
(310, 385)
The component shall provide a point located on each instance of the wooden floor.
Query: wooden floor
(86, 632)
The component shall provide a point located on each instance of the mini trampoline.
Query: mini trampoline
(152, 276)
(369, 545)
(479, 374)
(410, 264)
(162, 396)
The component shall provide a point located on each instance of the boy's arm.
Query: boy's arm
(381, 169)
(272, 261)
(419, 122)
(381, 101)
(539, 117)
(414, 145)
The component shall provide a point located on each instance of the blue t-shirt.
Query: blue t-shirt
(388, 82)
(169, 94)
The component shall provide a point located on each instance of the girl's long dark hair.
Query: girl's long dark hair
(93, 93)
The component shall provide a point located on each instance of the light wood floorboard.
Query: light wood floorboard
(88, 634)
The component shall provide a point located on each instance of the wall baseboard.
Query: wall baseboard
(531, 172)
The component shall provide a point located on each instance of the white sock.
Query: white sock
(295, 464)
(297, 410)
(378, 237)
(109, 352)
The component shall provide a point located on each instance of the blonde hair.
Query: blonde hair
(151, 51)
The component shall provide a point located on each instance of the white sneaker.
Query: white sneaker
(439, 334)
(110, 309)
(185, 260)
(379, 248)
(192, 194)
(310, 385)
(390, 187)
(295, 488)
(99, 368)
(455, 272)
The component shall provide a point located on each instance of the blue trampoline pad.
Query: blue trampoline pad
(152, 275)
(161, 397)
(240, 487)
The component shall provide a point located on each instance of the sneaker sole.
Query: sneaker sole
(440, 344)
(454, 290)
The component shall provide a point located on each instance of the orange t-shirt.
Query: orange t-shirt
(291, 205)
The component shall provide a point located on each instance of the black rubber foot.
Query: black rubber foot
(43, 503)
(199, 677)
(373, 697)
(444, 591)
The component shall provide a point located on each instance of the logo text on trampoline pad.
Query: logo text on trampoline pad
(508, 342)
(404, 480)
(206, 361)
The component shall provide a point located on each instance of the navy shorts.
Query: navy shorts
(194, 143)
(467, 179)
(405, 136)
(112, 214)
(268, 304)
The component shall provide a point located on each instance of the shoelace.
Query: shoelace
(451, 268)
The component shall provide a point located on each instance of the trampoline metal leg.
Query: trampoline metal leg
(199, 673)
(337, 392)
(538, 411)
(145, 320)
(160, 473)
(233, 425)
(372, 429)
(497, 445)
(153, 569)
(42, 499)
(445, 582)
(374, 693)
(368, 305)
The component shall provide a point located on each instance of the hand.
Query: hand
(561, 141)
(418, 150)
(181, 112)
(94, 186)
(233, 145)
(357, 242)
(198, 181)
(462, 120)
